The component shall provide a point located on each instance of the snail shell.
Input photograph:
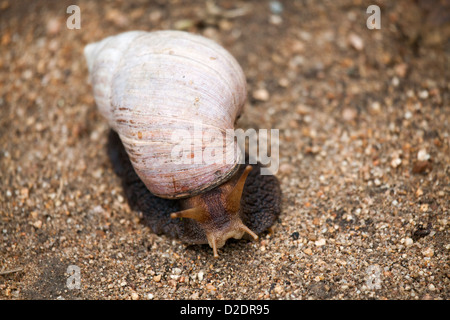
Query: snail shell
(151, 84)
(260, 203)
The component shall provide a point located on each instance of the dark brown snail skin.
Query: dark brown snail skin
(248, 203)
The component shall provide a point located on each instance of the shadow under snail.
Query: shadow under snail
(151, 84)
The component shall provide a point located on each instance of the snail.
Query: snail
(150, 85)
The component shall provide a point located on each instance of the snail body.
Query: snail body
(151, 84)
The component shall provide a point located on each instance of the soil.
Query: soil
(364, 161)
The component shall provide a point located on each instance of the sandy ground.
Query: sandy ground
(364, 122)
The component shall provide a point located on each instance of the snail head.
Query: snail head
(218, 212)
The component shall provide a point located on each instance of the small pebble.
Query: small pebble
(408, 115)
(408, 242)
(421, 167)
(356, 41)
(195, 296)
(422, 155)
(176, 271)
(117, 17)
(183, 24)
(286, 168)
(349, 114)
(278, 289)
(261, 95)
(275, 20)
(155, 15)
(157, 278)
(210, 287)
(276, 7)
(37, 224)
(395, 81)
(401, 69)
(24, 192)
(283, 82)
(172, 283)
(396, 162)
(53, 26)
(375, 107)
(428, 252)
(423, 94)
(419, 192)
(320, 242)
(134, 296)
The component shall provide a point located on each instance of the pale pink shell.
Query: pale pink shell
(149, 85)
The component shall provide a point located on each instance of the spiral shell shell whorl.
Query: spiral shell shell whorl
(149, 85)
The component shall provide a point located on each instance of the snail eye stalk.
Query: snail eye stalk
(196, 213)
(233, 200)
